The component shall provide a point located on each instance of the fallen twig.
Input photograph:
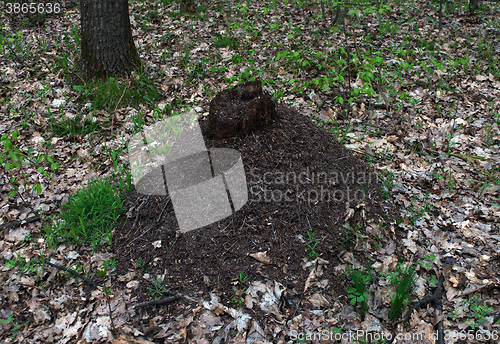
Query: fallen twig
(158, 302)
(17, 223)
(70, 271)
(163, 210)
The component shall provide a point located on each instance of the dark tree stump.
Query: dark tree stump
(188, 6)
(240, 110)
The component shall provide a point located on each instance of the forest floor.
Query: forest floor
(422, 127)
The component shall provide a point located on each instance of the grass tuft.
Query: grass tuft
(404, 284)
(113, 93)
(89, 215)
(225, 41)
(75, 128)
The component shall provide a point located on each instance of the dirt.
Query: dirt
(290, 157)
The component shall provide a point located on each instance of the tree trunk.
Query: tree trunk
(187, 6)
(108, 48)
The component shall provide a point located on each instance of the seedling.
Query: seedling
(237, 301)
(140, 264)
(478, 312)
(311, 244)
(138, 122)
(428, 259)
(358, 292)
(15, 325)
(114, 156)
(158, 288)
(242, 279)
(387, 181)
(225, 41)
(432, 280)
(75, 129)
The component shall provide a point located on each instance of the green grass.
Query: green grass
(225, 41)
(75, 128)
(113, 93)
(90, 214)
(387, 183)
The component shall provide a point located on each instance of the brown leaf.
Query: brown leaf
(124, 339)
(261, 257)
(310, 278)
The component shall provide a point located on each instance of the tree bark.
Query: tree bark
(108, 49)
(187, 6)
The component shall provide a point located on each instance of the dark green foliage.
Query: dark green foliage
(225, 41)
(404, 285)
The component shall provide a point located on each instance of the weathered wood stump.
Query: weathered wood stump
(240, 110)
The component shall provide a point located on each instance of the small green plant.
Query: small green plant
(311, 243)
(15, 325)
(454, 314)
(432, 280)
(12, 157)
(340, 133)
(138, 121)
(242, 278)
(387, 183)
(428, 259)
(8, 320)
(184, 59)
(237, 301)
(240, 289)
(114, 156)
(152, 14)
(158, 288)
(478, 312)
(352, 234)
(140, 264)
(103, 273)
(109, 264)
(358, 292)
(488, 132)
(404, 283)
(416, 212)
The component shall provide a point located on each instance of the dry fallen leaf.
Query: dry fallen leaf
(310, 278)
(261, 257)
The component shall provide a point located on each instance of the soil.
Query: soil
(290, 157)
